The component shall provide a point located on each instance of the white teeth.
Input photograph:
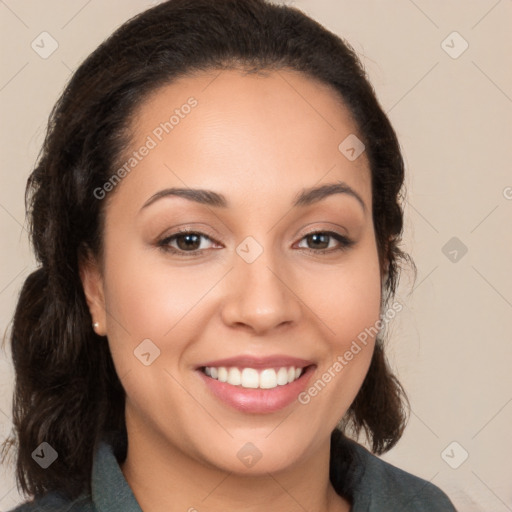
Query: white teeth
(234, 377)
(282, 376)
(222, 374)
(267, 378)
(250, 378)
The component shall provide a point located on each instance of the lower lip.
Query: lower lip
(259, 401)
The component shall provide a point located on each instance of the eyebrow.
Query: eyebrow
(306, 197)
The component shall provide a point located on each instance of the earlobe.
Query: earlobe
(92, 283)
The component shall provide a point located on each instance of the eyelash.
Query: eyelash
(163, 244)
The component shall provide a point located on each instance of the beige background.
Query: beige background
(451, 344)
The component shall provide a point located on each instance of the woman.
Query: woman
(216, 213)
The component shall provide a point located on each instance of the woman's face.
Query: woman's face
(249, 290)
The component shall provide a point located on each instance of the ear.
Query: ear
(92, 283)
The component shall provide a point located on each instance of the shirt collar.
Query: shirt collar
(110, 490)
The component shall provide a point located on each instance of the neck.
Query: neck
(164, 478)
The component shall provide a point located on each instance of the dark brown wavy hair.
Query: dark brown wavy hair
(67, 392)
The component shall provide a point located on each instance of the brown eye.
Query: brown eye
(186, 242)
(319, 239)
(318, 242)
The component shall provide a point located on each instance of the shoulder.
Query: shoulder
(385, 487)
(54, 502)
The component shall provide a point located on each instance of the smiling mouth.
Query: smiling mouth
(267, 378)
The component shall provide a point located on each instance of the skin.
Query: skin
(258, 140)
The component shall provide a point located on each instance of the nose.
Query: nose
(261, 295)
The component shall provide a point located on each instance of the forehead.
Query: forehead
(273, 133)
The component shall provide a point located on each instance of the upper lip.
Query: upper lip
(246, 361)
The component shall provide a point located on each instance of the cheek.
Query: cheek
(152, 300)
(161, 304)
(346, 298)
(348, 301)
(146, 298)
